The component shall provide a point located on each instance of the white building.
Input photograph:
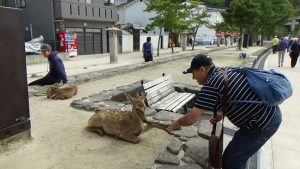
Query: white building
(133, 13)
(205, 34)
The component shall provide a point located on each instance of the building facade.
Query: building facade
(88, 18)
(133, 13)
(206, 35)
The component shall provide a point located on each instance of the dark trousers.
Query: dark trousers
(274, 49)
(149, 58)
(247, 142)
(294, 58)
(47, 80)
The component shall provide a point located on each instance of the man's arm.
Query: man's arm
(187, 120)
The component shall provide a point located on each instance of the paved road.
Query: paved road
(285, 143)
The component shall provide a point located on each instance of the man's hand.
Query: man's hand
(174, 126)
(214, 120)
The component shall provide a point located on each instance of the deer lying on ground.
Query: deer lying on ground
(123, 125)
(60, 92)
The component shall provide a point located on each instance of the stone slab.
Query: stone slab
(167, 158)
(174, 146)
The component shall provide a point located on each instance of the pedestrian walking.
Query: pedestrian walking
(148, 50)
(256, 122)
(281, 48)
(294, 53)
(275, 42)
(57, 69)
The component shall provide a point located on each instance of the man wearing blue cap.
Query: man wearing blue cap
(57, 69)
(256, 122)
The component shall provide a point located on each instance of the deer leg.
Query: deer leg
(129, 138)
(96, 130)
(147, 128)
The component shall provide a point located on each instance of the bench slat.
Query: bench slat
(158, 103)
(183, 103)
(159, 97)
(174, 103)
(156, 81)
(171, 101)
(161, 94)
(167, 86)
(159, 91)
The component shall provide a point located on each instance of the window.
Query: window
(22, 3)
(78, 10)
(109, 2)
(88, 1)
(85, 11)
(111, 14)
(105, 13)
(3, 3)
(93, 12)
(99, 13)
(70, 9)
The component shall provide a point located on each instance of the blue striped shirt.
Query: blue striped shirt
(241, 114)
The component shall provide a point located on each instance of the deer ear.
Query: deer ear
(143, 96)
(129, 97)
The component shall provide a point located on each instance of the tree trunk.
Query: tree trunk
(159, 39)
(195, 33)
(262, 40)
(240, 39)
(172, 39)
(248, 37)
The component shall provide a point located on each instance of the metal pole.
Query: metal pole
(16, 4)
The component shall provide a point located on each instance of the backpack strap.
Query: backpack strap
(224, 104)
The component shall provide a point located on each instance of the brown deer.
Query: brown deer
(124, 125)
(60, 92)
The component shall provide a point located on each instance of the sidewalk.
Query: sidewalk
(90, 63)
(286, 150)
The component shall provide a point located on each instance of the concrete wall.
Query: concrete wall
(127, 43)
(39, 13)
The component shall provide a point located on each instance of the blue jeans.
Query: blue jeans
(247, 142)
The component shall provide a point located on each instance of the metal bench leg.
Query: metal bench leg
(185, 108)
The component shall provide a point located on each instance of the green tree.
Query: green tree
(197, 16)
(169, 15)
(242, 14)
(296, 7)
(274, 14)
(214, 3)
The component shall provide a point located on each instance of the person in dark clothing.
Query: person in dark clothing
(294, 54)
(148, 50)
(57, 69)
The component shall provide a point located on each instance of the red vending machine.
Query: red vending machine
(68, 43)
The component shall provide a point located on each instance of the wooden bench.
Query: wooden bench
(161, 94)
